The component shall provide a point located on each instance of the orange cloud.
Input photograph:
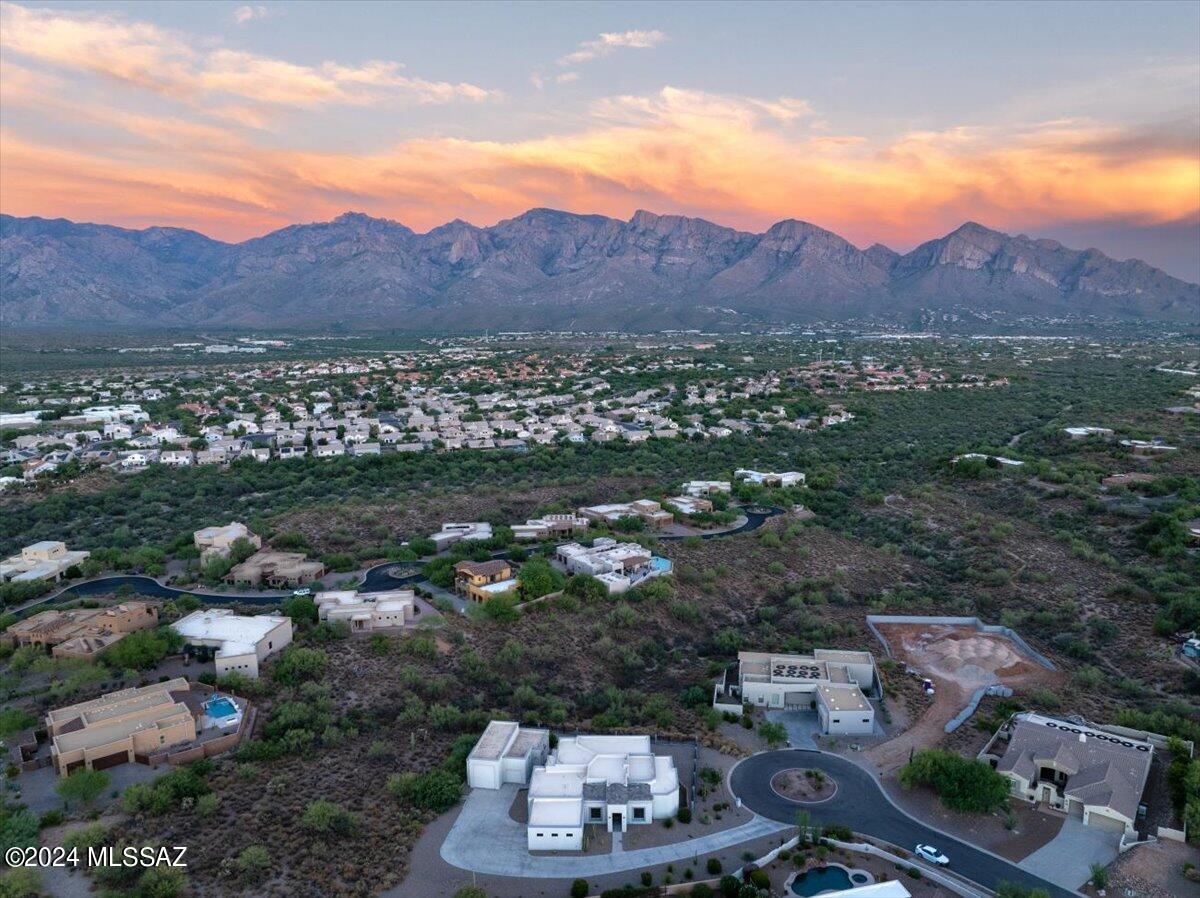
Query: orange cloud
(742, 161)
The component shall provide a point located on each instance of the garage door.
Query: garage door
(483, 774)
(1106, 823)
(797, 699)
(110, 761)
(1075, 808)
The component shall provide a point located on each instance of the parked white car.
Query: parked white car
(931, 854)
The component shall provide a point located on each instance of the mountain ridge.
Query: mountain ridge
(548, 269)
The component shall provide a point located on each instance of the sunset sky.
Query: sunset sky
(884, 122)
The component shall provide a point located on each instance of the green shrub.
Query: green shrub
(253, 865)
(14, 720)
(329, 818)
(297, 664)
(82, 787)
(437, 790)
(963, 784)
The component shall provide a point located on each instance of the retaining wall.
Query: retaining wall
(873, 619)
(964, 715)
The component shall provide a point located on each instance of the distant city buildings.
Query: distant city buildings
(285, 410)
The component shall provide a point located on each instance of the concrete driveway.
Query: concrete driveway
(802, 726)
(1066, 860)
(485, 839)
(38, 787)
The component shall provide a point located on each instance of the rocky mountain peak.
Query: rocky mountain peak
(550, 269)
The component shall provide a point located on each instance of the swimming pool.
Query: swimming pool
(219, 708)
(660, 564)
(821, 879)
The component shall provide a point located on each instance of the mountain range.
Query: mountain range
(548, 270)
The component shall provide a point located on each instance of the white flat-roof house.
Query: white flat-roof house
(830, 680)
(506, 753)
(618, 565)
(242, 641)
(609, 781)
(612, 781)
(779, 479)
(45, 560)
(690, 505)
(549, 526)
(1093, 773)
(453, 533)
(705, 488)
(365, 612)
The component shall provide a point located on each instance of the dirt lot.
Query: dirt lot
(958, 659)
(1154, 871)
(1031, 828)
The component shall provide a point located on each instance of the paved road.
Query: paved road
(861, 804)
(754, 520)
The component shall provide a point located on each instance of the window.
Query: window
(597, 813)
(639, 813)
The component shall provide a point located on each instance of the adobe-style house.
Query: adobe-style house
(216, 542)
(276, 569)
(83, 632)
(483, 580)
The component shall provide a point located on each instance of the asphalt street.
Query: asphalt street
(861, 804)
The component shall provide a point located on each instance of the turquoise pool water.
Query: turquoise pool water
(823, 879)
(660, 564)
(220, 707)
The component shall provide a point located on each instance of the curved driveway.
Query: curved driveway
(485, 839)
(861, 804)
